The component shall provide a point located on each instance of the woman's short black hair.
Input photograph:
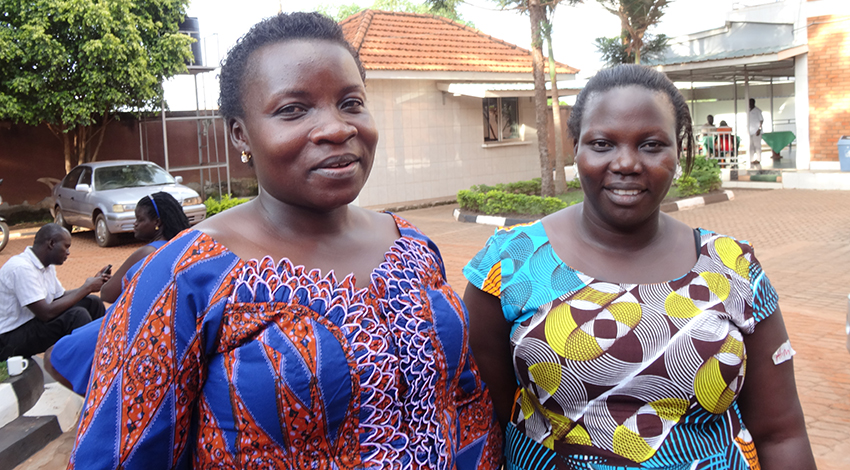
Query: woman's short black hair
(279, 28)
(637, 75)
(168, 211)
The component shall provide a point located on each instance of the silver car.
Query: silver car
(103, 196)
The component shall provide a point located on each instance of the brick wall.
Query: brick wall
(28, 153)
(829, 84)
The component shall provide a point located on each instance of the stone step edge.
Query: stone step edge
(684, 204)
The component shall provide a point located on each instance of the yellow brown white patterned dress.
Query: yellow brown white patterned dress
(625, 375)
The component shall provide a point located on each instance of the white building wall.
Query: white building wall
(430, 144)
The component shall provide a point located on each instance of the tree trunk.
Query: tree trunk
(537, 16)
(66, 143)
(560, 176)
(102, 132)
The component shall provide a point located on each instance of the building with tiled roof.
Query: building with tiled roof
(453, 106)
(396, 41)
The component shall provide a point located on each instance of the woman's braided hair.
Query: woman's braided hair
(168, 210)
(637, 75)
(279, 28)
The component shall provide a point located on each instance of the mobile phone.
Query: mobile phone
(108, 269)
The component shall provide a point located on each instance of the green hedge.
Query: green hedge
(704, 178)
(520, 197)
(214, 206)
(529, 188)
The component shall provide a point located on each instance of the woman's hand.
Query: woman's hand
(769, 403)
(489, 338)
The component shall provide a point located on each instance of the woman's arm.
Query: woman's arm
(489, 338)
(769, 403)
(112, 289)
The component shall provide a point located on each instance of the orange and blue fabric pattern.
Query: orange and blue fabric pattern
(212, 361)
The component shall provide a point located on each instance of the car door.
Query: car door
(66, 196)
(85, 202)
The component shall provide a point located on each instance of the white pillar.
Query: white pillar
(801, 110)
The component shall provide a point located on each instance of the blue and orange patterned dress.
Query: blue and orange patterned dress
(625, 376)
(209, 361)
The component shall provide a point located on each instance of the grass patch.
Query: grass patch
(4, 371)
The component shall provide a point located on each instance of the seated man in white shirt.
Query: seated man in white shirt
(35, 310)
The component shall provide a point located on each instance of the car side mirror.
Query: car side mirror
(178, 179)
(83, 188)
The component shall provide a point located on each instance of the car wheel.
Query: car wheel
(59, 219)
(102, 234)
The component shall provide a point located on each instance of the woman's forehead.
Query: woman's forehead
(615, 99)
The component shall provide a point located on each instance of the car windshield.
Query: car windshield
(130, 176)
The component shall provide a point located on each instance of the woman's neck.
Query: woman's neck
(289, 221)
(605, 237)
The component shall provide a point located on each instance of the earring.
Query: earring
(156, 228)
(246, 157)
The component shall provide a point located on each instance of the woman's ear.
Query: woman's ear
(238, 135)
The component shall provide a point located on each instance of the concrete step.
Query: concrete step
(25, 436)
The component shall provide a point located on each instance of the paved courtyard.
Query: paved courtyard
(802, 239)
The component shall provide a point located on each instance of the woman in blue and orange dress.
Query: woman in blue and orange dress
(632, 340)
(297, 330)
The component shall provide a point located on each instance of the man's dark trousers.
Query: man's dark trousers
(35, 336)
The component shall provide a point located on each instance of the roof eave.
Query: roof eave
(457, 75)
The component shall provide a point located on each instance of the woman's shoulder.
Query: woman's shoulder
(712, 238)
(190, 249)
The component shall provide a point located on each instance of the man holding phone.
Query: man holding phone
(35, 310)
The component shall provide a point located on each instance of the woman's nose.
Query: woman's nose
(331, 126)
(627, 160)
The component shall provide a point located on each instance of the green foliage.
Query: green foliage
(512, 198)
(214, 206)
(636, 17)
(446, 9)
(688, 186)
(704, 177)
(530, 187)
(574, 184)
(613, 50)
(73, 63)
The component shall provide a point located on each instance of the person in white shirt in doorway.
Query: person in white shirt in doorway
(35, 310)
(755, 119)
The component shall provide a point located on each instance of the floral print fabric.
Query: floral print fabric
(212, 361)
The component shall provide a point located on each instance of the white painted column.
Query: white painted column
(801, 110)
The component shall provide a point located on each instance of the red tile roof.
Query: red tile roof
(410, 41)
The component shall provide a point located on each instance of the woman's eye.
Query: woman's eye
(599, 145)
(653, 146)
(353, 103)
(291, 110)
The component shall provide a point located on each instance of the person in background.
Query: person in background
(755, 121)
(612, 335)
(159, 218)
(35, 310)
(708, 126)
(296, 330)
(707, 135)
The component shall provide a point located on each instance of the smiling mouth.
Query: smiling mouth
(338, 165)
(626, 192)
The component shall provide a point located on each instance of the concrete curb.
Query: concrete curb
(32, 414)
(682, 205)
